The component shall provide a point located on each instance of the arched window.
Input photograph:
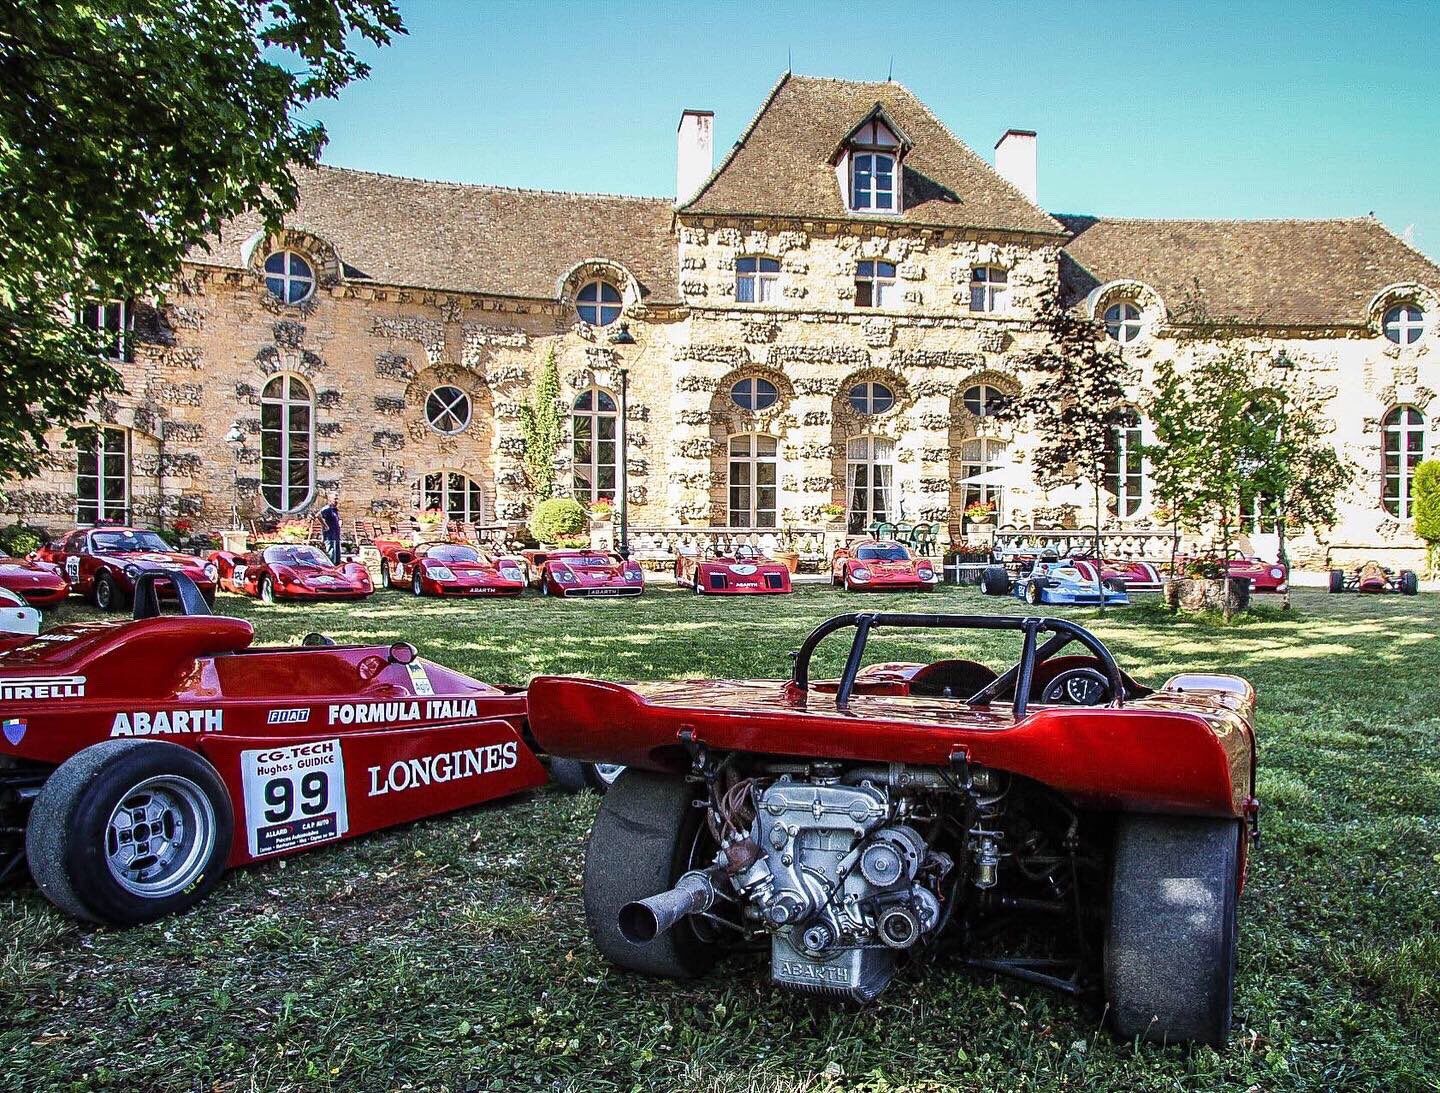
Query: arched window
(871, 398)
(872, 182)
(752, 480)
(982, 467)
(447, 409)
(869, 482)
(754, 395)
(102, 478)
(289, 277)
(983, 400)
(594, 424)
(287, 430)
(1404, 324)
(1403, 445)
(453, 493)
(756, 280)
(1125, 466)
(1122, 322)
(598, 303)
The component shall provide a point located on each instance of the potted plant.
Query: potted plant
(601, 510)
(1202, 584)
(833, 513)
(558, 521)
(980, 513)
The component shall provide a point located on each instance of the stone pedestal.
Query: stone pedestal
(233, 540)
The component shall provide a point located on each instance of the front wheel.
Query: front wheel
(129, 830)
(108, 594)
(385, 573)
(1409, 583)
(994, 581)
(1171, 939)
(267, 590)
(1033, 595)
(1337, 580)
(415, 586)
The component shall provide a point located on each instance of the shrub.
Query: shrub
(19, 539)
(1425, 505)
(558, 518)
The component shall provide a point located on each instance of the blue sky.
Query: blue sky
(1144, 109)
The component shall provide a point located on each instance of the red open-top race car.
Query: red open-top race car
(142, 759)
(102, 564)
(583, 573)
(1374, 577)
(881, 565)
(449, 569)
(904, 809)
(291, 571)
(38, 583)
(745, 572)
(1126, 574)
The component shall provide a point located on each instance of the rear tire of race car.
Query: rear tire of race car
(994, 581)
(1115, 584)
(643, 839)
(109, 596)
(77, 824)
(572, 775)
(1409, 583)
(1171, 938)
(1337, 580)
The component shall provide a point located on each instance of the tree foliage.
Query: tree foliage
(130, 130)
(541, 427)
(558, 520)
(1425, 506)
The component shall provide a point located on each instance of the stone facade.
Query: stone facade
(375, 338)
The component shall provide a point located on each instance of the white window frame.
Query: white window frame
(440, 485)
(763, 283)
(1129, 482)
(869, 475)
(600, 305)
(122, 348)
(1396, 433)
(1403, 325)
(864, 397)
(883, 288)
(586, 473)
(756, 465)
(287, 400)
(1127, 324)
(448, 409)
(872, 191)
(287, 277)
(92, 500)
(982, 455)
(989, 289)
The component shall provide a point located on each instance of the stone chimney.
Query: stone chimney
(695, 152)
(1015, 160)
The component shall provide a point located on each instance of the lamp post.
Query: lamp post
(236, 439)
(622, 336)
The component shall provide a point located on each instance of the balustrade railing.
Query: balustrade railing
(1145, 546)
(664, 544)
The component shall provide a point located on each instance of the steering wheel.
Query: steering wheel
(1077, 687)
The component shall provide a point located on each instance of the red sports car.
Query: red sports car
(880, 565)
(291, 571)
(40, 584)
(1264, 576)
(1129, 574)
(1374, 577)
(1054, 820)
(747, 572)
(449, 569)
(102, 564)
(583, 573)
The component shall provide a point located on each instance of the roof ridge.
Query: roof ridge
(1411, 247)
(739, 141)
(1217, 219)
(487, 186)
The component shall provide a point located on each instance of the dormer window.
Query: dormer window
(872, 182)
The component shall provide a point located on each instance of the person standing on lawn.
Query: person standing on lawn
(330, 518)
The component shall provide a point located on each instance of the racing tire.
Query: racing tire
(266, 591)
(416, 588)
(994, 581)
(209, 598)
(385, 573)
(108, 594)
(76, 831)
(1409, 583)
(545, 586)
(1171, 939)
(573, 775)
(643, 839)
(1337, 580)
(1033, 595)
(1114, 584)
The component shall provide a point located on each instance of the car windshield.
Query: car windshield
(126, 542)
(295, 555)
(883, 552)
(453, 553)
(587, 559)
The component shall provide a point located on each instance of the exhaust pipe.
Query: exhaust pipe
(645, 920)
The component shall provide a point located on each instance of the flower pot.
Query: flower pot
(789, 558)
(1206, 593)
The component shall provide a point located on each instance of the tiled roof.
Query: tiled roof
(463, 238)
(781, 166)
(1274, 272)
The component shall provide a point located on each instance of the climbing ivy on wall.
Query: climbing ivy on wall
(540, 424)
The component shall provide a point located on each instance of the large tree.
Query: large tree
(129, 131)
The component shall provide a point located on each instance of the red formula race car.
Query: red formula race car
(1128, 575)
(102, 564)
(142, 759)
(38, 583)
(746, 572)
(291, 571)
(878, 565)
(583, 573)
(1374, 577)
(449, 569)
(1055, 820)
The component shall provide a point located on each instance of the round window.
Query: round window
(447, 409)
(598, 303)
(1404, 324)
(289, 277)
(871, 398)
(1122, 322)
(754, 394)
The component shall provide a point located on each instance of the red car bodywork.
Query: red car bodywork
(449, 569)
(583, 573)
(294, 572)
(874, 565)
(40, 584)
(400, 741)
(85, 555)
(1264, 576)
(1373, 577)
(1136, 576)
(740, 574)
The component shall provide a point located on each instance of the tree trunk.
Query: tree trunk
(1225, 568)
(1174, 544)
(1099, 580)
(1280, 550)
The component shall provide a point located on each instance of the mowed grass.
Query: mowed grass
(452, 954)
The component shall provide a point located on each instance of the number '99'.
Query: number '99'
(280, 796)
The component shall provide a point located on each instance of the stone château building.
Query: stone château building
(824, 317)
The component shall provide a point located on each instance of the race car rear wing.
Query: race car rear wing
(147, 596)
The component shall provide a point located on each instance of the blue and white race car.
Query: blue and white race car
(1054, 581)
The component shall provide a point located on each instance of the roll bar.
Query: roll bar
(147, 598)
(1021, 675)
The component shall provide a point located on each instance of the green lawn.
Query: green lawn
(452, 954)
